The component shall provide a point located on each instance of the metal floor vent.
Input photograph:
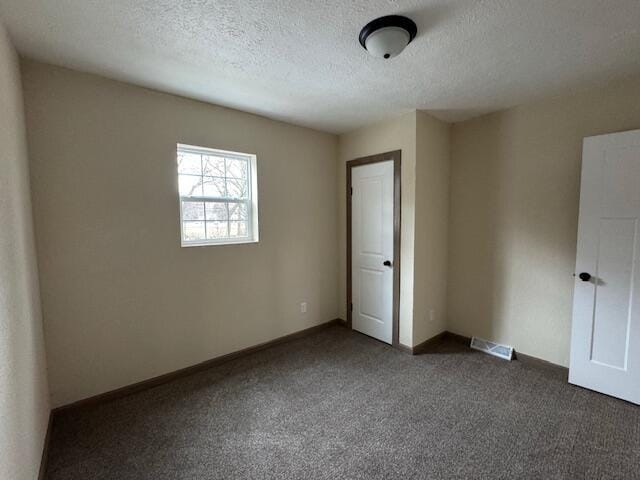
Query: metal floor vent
(502, 351)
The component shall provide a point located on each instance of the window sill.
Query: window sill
(216, 244)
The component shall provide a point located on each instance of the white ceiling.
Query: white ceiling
(300, 60)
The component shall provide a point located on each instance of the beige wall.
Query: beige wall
(424, 142)
(433, 139)
(24, 397)
(514, 213)
(122, 301)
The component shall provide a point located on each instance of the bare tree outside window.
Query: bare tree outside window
(216, 201)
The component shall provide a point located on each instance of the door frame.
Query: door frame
(396, 157)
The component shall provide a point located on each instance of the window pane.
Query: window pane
(236, 168)
(214, 187)
(190, 186)
(193, 231)
(238, 211)
(193, 210)
(213, 166)
(189, 163)
(217, 230)
(237, 188)
(215, 196)
(238, 229)
(216, 211)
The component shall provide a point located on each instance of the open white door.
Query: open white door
(605, 336)
(372, 249)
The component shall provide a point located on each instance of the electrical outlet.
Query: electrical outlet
(303, 307)
(432, 315)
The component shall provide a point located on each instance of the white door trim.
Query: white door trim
(383, 157)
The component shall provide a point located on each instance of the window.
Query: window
(218, 196)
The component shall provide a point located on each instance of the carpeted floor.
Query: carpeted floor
(339, 405)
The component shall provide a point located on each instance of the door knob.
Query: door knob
(387, 263)
(584, 276)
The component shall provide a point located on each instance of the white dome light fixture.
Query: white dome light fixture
(386, 37)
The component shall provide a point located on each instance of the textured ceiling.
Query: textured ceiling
(300, 61)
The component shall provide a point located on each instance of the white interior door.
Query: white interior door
(372, 249)
(605, 336)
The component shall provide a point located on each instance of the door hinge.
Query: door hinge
(352, 191)
(351, 306)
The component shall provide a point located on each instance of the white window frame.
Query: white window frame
(251, 201)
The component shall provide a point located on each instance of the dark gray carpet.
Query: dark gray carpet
(339, 405)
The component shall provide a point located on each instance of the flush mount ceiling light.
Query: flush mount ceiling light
(386, 37)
